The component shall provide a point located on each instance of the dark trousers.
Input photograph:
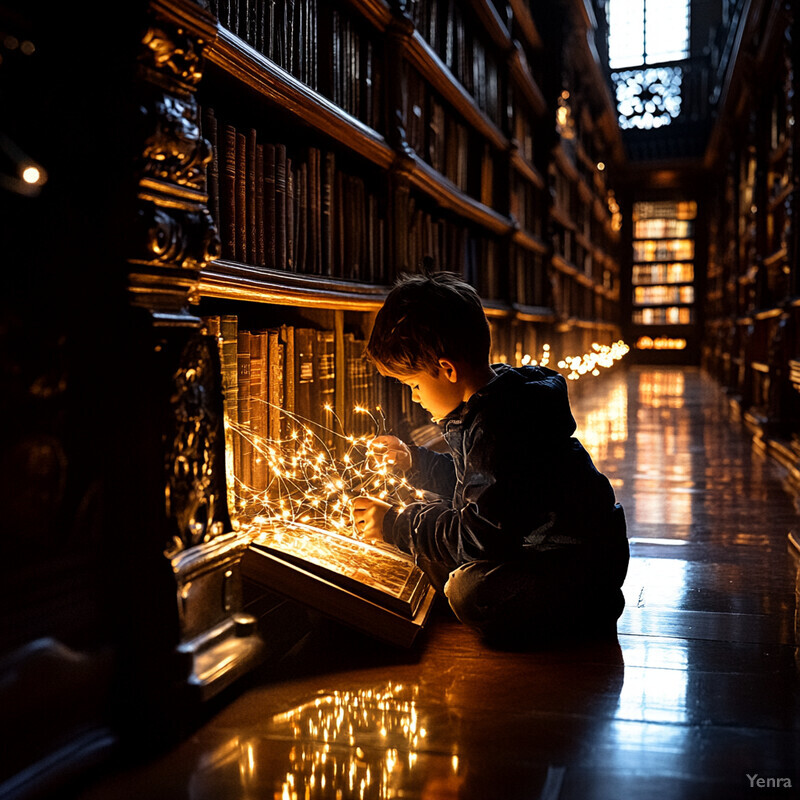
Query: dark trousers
(563, 592)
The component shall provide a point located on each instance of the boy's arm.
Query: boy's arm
(432, 471)
(480, 529)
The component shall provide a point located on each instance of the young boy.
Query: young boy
(524, 538)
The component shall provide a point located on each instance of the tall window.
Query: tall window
(645, 39)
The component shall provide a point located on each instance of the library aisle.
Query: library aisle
(698, 697)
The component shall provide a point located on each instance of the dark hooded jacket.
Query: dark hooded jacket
(514, 480)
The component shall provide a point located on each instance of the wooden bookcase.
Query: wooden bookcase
(584, 216)
(410, 131)
(751, 341)
(663, 289)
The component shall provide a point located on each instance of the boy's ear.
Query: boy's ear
(448, 369)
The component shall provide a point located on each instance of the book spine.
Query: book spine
(258, 25)
(290, 64)
(306, 407)
(370, 233)
(318, 169)
(251, 192)
(289, 228)
(355, 74)
(228, 326)
(326, 379)
(327, 214)
(275, 366)
(228, 193)
(336, 55)
(258, 413)
(280, 206)
(243, 409)
(287, 339)
(339, 374)
(301, 219)
(370, 85)
(211, 132)
(269, 28)
(270, 219)
(279, 34)
(313, 39)
(339, 225)
(240, 201)
(260, 220)
(314, 241)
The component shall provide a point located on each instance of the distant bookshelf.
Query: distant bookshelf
(663, 274)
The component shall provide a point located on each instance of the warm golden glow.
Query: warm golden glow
(600, 357)
(660, 343)
(565, 124)
(350, 742)
(614, 210)
(307, 484)
(605, 426)
(32, 175)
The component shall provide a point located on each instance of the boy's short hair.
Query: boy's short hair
(428, 317)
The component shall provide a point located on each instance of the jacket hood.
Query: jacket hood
(538, 394)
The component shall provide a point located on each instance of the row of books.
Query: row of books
(672, 315)
(353, 69)
(530, 283)
(453, 245)
(679, 272)
(327, 50)
(527, 204)
(334, 52)
(662, 295)
(444, 25)
(283, 30)
(523, 127)
(278, 380)
(440, 138)
(437, 135)
(292, 208)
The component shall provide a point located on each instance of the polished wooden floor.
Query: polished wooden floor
(698, 697)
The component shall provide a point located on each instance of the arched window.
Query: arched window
(645, 40)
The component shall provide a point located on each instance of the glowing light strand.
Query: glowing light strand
(308, 483)
(600, 357)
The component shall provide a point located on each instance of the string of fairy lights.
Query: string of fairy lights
(600, 356)
(311, 483)
(313, 473)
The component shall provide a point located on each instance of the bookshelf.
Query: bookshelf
(663, 291)
(584, 219)
(751, 342)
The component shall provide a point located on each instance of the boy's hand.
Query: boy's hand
(394, 451)
(368, 514)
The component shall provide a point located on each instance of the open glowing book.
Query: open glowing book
(370, 587)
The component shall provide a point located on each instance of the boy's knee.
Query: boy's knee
(462, 591)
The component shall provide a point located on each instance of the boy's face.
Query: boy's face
(438, 394)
